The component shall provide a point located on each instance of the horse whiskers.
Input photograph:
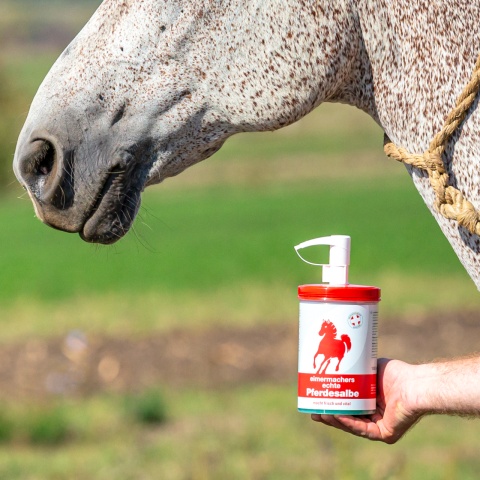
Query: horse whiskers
(147, 225)
(142, 218)
(64, 197)
(12, 182)
(129, 201)
(138, 237)
(149, 212)
(143, 242)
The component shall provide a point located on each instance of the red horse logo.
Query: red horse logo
(330, 346)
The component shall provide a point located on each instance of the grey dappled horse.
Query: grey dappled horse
(150, 87)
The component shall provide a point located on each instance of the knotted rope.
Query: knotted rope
(449, 201)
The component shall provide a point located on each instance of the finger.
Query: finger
(331, 421)
(361, 426)
(326, 420)
(316, 417)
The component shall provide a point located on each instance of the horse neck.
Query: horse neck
(421, 55)
(275, 61)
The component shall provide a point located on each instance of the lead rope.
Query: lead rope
(449, 201)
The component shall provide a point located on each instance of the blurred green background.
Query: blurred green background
(212, 248)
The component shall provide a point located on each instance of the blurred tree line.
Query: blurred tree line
(12, 106)
(30, 30)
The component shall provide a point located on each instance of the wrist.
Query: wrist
(419, 389)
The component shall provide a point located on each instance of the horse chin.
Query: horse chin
(110, 224)
(113, 214)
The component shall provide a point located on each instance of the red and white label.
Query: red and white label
(337, 358)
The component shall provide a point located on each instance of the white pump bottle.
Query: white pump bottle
(337, 355)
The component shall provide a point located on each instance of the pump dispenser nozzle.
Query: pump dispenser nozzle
(336, 271)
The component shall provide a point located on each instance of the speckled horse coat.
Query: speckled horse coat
(150, 87)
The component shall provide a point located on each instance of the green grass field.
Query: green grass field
(250, 432)
(214, 246)
(221, 228)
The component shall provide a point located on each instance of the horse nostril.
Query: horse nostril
(41, 170)
(39, 160)
(44, 159)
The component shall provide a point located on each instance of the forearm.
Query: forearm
(407, 392)
(451, 387)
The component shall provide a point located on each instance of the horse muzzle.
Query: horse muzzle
(97, 201)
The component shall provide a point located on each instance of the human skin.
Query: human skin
(408, 392)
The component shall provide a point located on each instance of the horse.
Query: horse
(150, 87)
(330, 346)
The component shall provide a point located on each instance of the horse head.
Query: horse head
(328, 328)
(151, 87)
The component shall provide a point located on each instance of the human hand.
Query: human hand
(395, 409)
